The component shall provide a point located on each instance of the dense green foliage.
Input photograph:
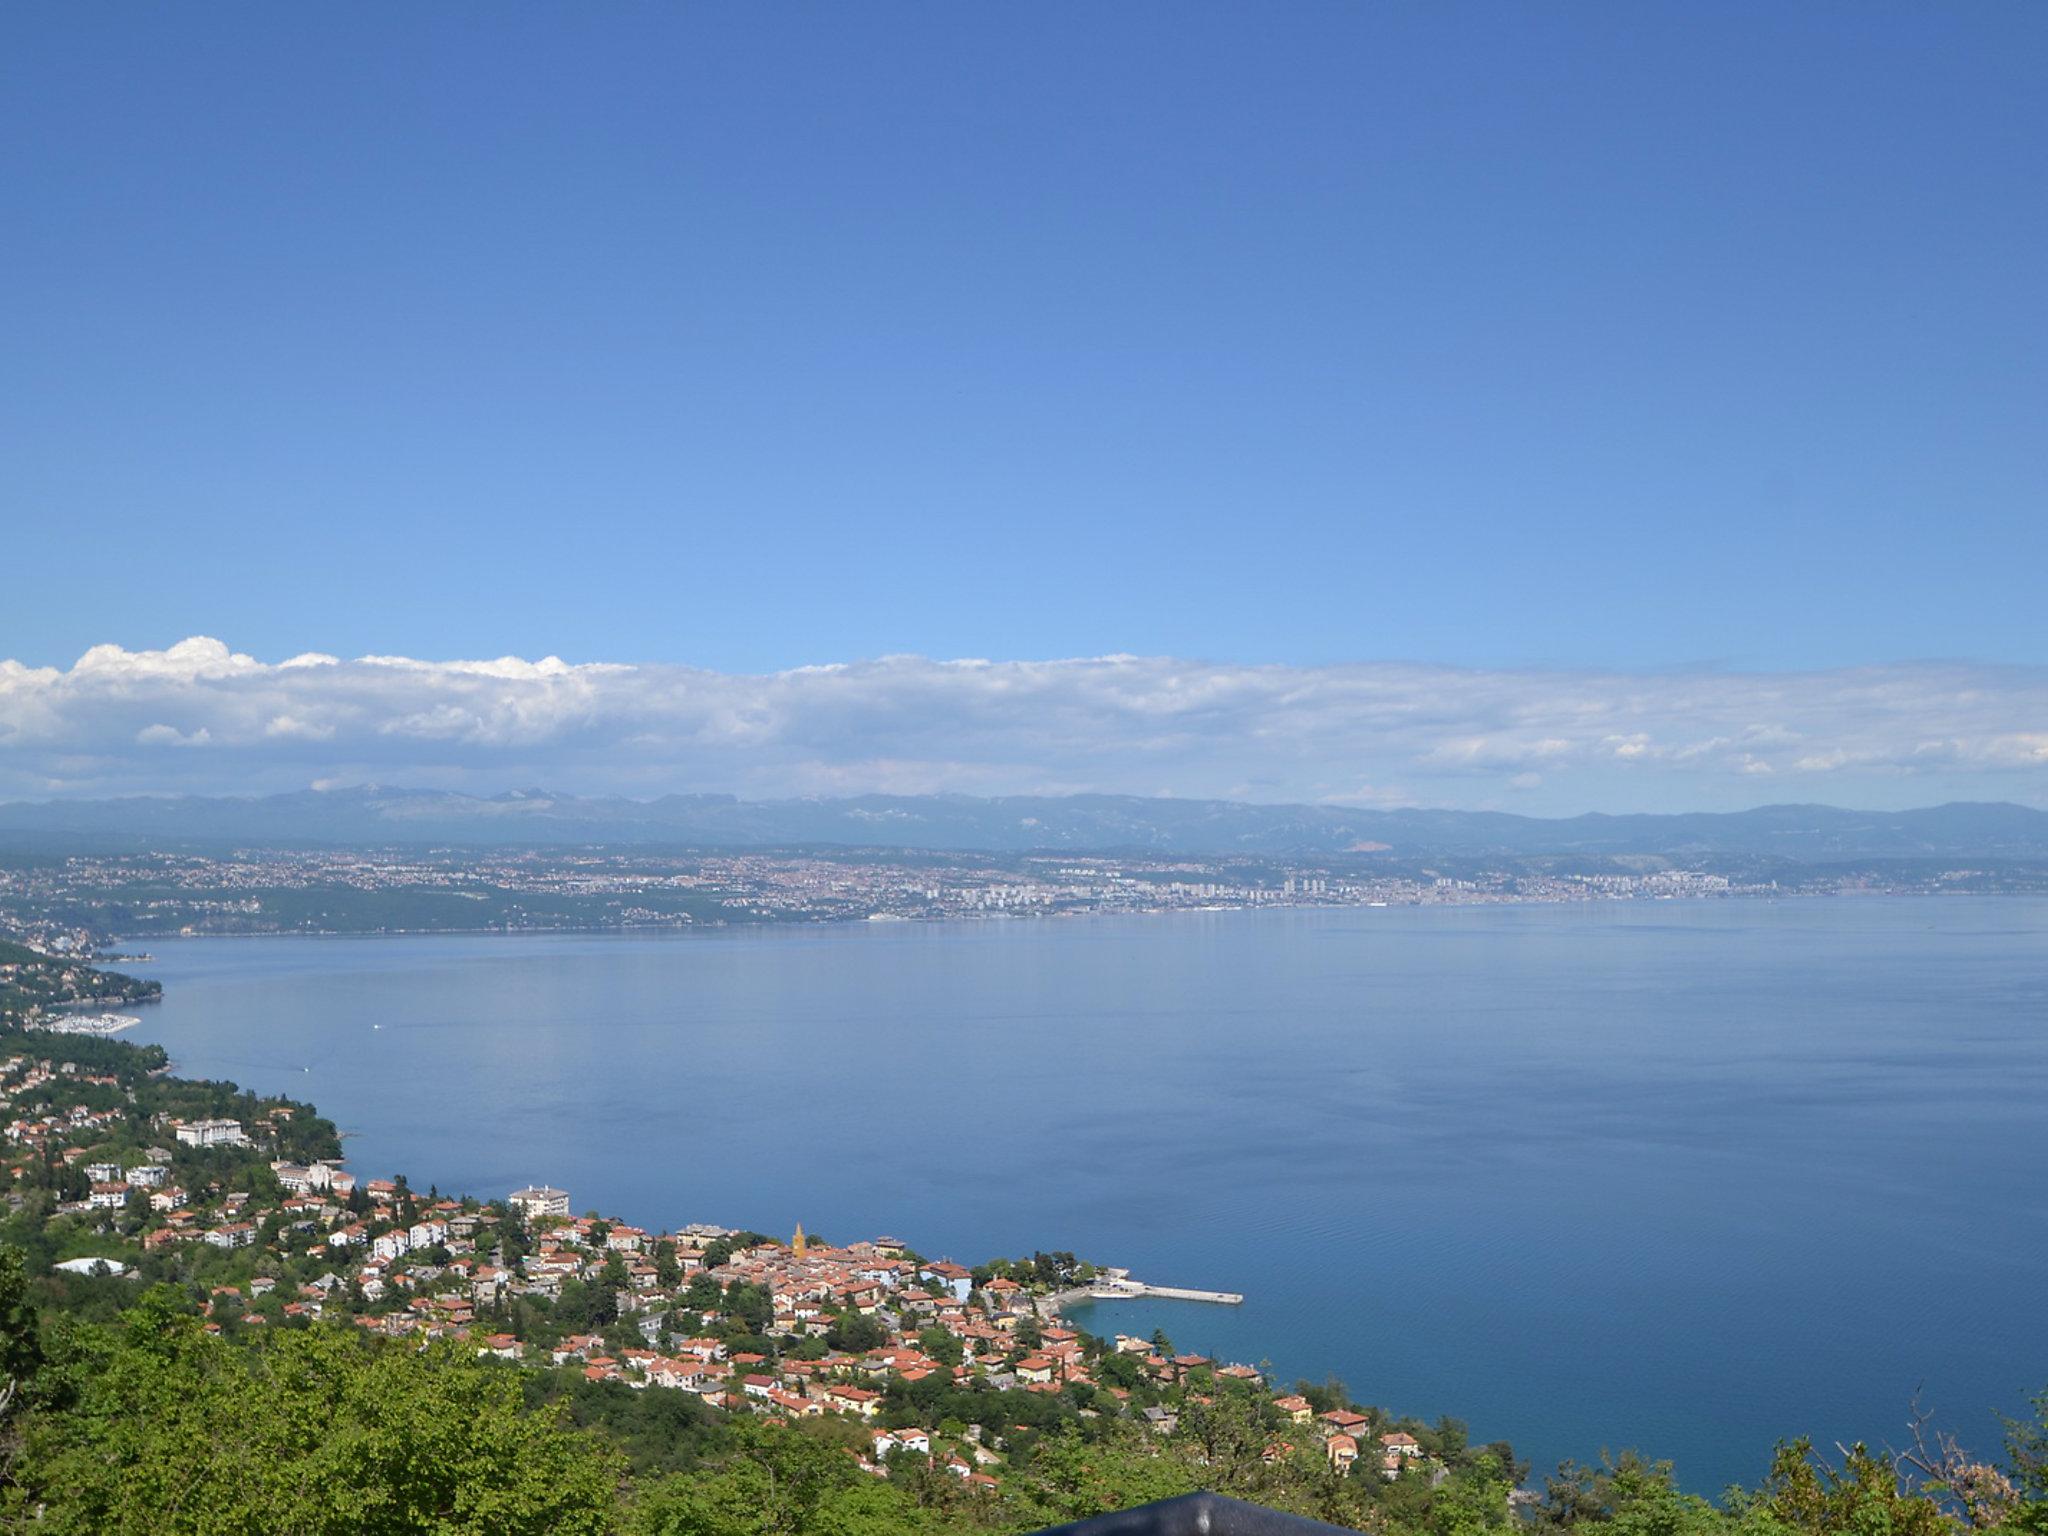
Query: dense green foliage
(155, 1425)
(152, 1424)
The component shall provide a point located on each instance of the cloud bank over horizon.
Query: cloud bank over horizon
(200, 718)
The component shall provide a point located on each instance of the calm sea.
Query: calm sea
(1685, 1178)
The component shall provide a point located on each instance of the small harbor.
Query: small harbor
(85, 1023)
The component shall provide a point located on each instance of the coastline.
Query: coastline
(712, 1026)
(1005, 918)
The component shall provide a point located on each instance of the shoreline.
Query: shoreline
(867, 921)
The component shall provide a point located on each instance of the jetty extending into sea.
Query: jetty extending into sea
(1117, 1285)
(1136, 1288)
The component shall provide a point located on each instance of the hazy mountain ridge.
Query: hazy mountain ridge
(1014, 824)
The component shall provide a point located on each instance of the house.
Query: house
(1342, 1421)
(1295, 1407)
(1342, 1450)
(864, 1298)
(1396, 1450)
(858, 1400)
(688, 1375)
(1035, 1369)
(888, 1440)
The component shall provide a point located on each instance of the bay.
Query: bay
(1686, 1178)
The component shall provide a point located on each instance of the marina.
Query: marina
(85, 1023)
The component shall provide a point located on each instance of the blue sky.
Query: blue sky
(1589, 340)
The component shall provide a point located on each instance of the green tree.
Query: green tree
(855, 1333)
(318, 1431)
(777, 1481)
(941, 1345)
(1861, 1497)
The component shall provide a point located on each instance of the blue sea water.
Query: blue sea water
(1686, 1178)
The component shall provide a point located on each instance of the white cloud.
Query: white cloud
(170, 736)
(1371, 733)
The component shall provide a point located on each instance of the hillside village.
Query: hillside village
(117, 1173)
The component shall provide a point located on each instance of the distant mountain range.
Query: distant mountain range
(1017, 824)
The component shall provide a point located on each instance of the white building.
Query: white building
(211, 1133)
(91, 1267)
(539, 1200)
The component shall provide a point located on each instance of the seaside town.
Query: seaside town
(68, 902)
(119, 1174)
